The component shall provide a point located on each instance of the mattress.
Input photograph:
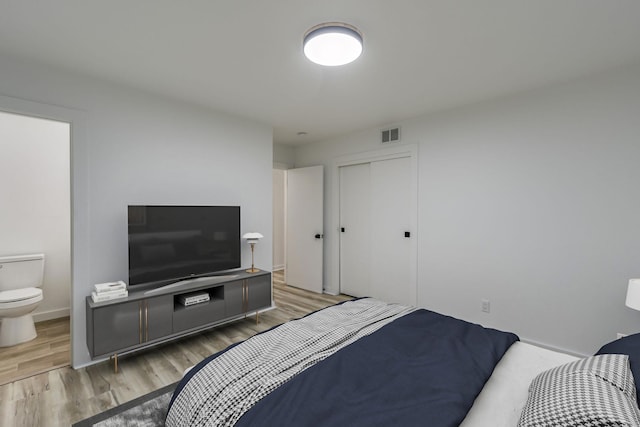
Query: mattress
(505, 393)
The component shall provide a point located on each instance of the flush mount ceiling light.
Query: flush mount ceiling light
(332, 44)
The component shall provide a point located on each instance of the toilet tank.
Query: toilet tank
(21, 271)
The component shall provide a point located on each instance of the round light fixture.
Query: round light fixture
(332, 44)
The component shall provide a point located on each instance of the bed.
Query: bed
(366, 362)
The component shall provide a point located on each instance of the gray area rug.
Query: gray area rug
(145, 411)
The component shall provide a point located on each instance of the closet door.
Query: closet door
(376, 249)
(355, 230)
(391, 230)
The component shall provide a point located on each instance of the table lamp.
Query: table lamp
(633, 294)
(252, 239)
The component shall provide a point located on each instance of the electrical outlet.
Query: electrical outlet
(486, 306)
(619, 335)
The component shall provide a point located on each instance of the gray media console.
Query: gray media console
(153, 316)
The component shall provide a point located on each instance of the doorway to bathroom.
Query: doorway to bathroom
(36, 218)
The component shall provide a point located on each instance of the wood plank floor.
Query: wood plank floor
(64, 396)
(49, 350)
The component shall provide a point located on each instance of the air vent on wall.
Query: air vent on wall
(390, 135)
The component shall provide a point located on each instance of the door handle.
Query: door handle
(319, 236)
(342, 229)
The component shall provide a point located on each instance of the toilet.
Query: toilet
(20, 282)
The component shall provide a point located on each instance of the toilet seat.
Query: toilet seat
(21, 296)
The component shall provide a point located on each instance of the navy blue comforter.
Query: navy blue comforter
(422, 369)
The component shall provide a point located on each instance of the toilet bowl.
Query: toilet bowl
(20, 294)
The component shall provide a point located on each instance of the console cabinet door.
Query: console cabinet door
(116, 327)
(234, 298)
(258, 292)
(158, 317)
(121, 326)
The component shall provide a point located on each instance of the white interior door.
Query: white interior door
(304, 247)
(391, 230)
(355, 230)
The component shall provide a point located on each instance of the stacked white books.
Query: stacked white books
(108, 291)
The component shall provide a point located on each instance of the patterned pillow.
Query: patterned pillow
(596, 391)
(629, 345)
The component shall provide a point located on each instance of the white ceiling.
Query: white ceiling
(245, 56)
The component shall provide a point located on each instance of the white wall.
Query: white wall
(283, 159)
(134, 147)
(35, 202)
(283, 156)
(278, 218)
(530, 201)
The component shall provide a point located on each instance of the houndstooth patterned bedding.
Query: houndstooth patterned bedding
(597, 391)
(224, 389)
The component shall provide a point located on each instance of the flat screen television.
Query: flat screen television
(172, 243)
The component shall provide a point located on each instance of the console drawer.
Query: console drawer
(197, 315)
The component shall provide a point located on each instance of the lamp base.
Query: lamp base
(253, 270)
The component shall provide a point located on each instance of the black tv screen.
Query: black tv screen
(171, 243)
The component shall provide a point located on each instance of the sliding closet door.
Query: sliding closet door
(376, 248)
(391, 228)
(355, 230)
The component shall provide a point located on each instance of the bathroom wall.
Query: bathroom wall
(35, 202)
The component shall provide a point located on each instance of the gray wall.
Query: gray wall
(132, 147)
(530, 201)
(283, 156)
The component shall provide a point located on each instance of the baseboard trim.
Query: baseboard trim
(51, 314)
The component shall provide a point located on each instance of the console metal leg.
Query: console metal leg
(115, 362)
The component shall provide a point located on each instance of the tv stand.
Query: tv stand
(148, 318)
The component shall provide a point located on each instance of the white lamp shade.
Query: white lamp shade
(252, 237)
(633, 294)
(332, 44)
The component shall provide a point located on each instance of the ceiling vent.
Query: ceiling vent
(390, 135)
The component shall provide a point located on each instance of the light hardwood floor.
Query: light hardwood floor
(64, 396)
(49, 350)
